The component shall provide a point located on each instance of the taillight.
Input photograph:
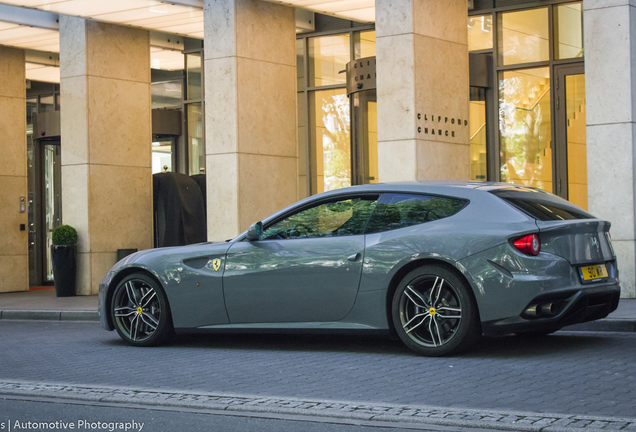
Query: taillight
(529, 245)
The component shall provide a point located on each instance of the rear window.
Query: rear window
(395, 211)
(541, 205)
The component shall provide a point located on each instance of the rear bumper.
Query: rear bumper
(575, 306)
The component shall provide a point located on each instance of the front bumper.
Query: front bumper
(575, 306)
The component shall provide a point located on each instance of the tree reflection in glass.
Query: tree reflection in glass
(524, 125)
(331, 148)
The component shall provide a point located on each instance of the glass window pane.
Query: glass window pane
(330, 140)
(328, 55)
(576, 137)
(524, 36)
(162, 156)
(194, 76)
(403, 210)
(300, 64)
(524, 124)
(479, 32)
(477, 134)
(166, 94)
(340, 218)
(47, 103)
(568, 31)
(541, 205)
(364, 44)
(302, 147)
(196, 145)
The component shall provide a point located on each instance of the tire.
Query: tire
(449, 325)
(140, 311)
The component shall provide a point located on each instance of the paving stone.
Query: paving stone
(367, 369)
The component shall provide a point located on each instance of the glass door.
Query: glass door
(364, 164)
(52, 197)
(571, 135)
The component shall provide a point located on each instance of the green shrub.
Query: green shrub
(64, 235)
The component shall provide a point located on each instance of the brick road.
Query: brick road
(583, 373)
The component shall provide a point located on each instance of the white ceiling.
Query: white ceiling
(38, 72)
(23, 36)
(357, 10)
(149, 14)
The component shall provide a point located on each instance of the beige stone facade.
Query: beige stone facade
(422, 66)
(14, 268)
(251, 151)
(106, 135)
(259, 157)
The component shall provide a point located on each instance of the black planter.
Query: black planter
(64, 270)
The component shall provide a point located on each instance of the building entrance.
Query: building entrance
(45, 208)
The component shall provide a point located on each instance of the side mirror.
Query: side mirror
(255, 232)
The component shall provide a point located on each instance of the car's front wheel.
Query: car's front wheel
(140, 311)
(434, 313)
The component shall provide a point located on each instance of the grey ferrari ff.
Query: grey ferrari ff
(436, 263)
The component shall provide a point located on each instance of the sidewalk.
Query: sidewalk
(43, 305)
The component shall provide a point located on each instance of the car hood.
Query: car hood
(159, 257)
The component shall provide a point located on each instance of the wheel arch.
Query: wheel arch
(123, 273)
(412, 265)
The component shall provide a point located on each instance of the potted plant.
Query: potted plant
(63, 250)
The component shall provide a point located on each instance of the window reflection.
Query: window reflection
(196, 144)
(569, 31)
(330, 140)
(300, 64)
(524, 36)
(576, 137)
(524, 123)
(479, 32)
(364, 44)
(477, 110)
(328, 55)
(193, 76)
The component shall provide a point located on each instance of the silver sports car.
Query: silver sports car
(436, 263)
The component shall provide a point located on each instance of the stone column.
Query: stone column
(422, 88)
(250, 112)
(14, 262)
(610, 86)
(106, 142)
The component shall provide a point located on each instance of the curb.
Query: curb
(49, 315)
(246, 405)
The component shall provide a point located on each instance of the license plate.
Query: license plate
(594, 272)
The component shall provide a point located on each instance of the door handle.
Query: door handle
(354, 257)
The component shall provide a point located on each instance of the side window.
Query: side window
(337, 218)
(402, 210)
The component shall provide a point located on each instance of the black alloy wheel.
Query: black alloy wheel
(434, 313)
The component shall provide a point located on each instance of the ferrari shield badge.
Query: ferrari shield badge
(216, 264)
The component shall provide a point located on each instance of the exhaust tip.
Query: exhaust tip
(547, 309)
(532, 311)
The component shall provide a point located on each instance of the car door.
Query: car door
(306, 269)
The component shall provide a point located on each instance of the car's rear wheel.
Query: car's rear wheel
(434, 313)
(140, 311)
